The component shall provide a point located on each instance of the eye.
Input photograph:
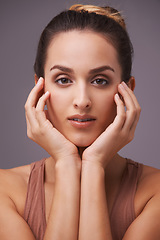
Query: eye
(63, 81)
(100, 81)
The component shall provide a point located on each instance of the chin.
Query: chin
(82, 141)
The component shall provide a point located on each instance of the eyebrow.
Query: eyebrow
(92, 71)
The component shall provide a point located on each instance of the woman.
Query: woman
(85, 189)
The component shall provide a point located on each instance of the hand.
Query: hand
(120, 132)
(41, 130)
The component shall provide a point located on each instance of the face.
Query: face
(82, 74)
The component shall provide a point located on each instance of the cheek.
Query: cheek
(57, 104)
(108, 110)
(54, 103)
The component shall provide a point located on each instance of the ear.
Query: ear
(35, 78)
(131, 83)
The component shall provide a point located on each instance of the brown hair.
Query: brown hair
(107, 11)
(104, 20)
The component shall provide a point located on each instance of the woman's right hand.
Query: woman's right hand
(41, 130)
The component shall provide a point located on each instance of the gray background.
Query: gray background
(21, 23)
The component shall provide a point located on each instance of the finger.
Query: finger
(121, 115)
(134, 125)
(32, 101)
(30, 116)
(34, 94)
(138, 108)
(132, 95)
(136, 104)
(28, 124)
(131, 110)
(40, 113)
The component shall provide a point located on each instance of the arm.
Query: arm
(12, 225)
(64, 216)
(147, 225)
(96, 158)
(94, 219)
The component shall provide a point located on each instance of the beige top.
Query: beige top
(122, 214)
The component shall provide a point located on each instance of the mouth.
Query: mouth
(82, 121)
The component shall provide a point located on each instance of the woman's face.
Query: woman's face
(82, 73)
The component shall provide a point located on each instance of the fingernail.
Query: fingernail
(124, 84)
(47, 93)
(117, 96)
(121, 86)
(40, 80)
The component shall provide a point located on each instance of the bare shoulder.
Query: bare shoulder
(13, 189)
(10, 177)
(13, 185)
(147, 208)
(148, 186)
(150, 177)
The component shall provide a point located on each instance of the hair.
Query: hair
(106, 21)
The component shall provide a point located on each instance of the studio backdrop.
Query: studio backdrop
(21, 23)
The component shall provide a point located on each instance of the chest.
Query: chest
(111, 198)
(112, 192)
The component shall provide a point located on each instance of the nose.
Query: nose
(82, 99)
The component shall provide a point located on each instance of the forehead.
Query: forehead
(81, 48)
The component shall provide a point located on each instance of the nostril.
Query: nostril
(82, 105)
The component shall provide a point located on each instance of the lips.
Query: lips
(81, 121)
(82, 118)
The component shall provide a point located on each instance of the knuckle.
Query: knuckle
(139, 109)
(35, 131)
(121, 104)
(131, 137)
(123, 135)
(26, 106)
(38, 111)
(134, 111)
(29, 134)
(41, 99)
(123, 115)
(126, 136)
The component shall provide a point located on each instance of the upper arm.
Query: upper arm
(12, 225)
(147, 225)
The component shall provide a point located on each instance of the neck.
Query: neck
(115, 166)
(81, 150)
(114, 169)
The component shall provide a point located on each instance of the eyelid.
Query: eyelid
(105, 81)
(57, 81)
(102, 76)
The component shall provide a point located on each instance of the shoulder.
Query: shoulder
(13, 190)
(13, 185)
(11, 176)
(150, 178)
(148, 187)
(147, 206)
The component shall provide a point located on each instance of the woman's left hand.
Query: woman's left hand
(119, 133)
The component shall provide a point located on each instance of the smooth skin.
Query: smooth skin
(86, 177)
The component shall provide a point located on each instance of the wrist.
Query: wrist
(69, 163)
(92, 164)
(93, 171)
(92, 167)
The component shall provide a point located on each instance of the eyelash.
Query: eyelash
(105, 82)
(60, 79)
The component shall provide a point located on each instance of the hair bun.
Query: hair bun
(107, 11)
